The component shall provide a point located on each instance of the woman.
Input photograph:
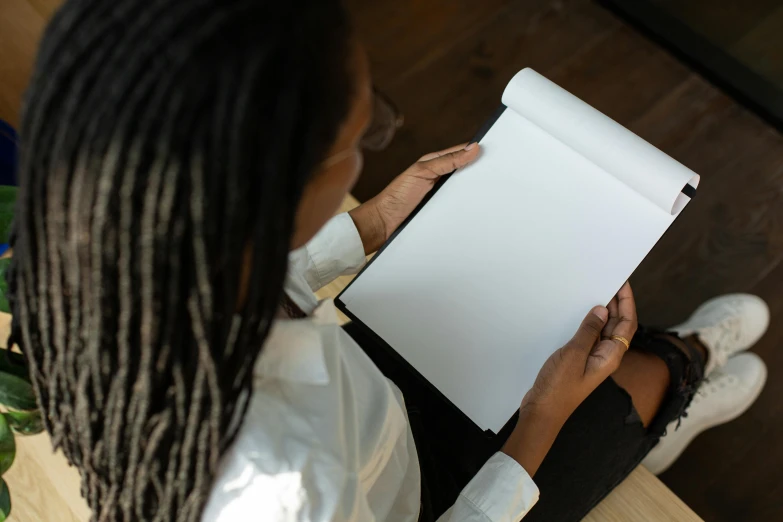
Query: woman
(174, 154)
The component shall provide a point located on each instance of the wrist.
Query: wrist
(532, 438)
(545, 415)
(370, 225)
(547, 423)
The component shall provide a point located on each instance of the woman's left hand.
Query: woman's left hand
(378, 218)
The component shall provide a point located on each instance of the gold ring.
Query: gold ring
(622, 339)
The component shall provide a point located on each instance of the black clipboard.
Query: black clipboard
(688, 190)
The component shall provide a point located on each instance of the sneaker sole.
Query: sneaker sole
(692, 433)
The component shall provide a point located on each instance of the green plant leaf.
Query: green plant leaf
(7, 203)
(4, 264)
(5, 501)
(7, 445)
(14, 363)
(25, 422)
(16, 393)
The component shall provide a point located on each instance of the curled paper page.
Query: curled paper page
(603, 141)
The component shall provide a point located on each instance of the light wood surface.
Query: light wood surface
(642, 497)
(44, 488)
(21, 25)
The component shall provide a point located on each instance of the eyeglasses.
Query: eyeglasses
(386, 119)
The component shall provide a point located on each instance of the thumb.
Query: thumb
(433, 167)
(590, 330)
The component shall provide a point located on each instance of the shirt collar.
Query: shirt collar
(294, 349)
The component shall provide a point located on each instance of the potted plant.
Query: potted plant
(19, 413)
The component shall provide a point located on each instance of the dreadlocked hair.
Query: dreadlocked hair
(165, 144)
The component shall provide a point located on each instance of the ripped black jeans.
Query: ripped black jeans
(600, 444)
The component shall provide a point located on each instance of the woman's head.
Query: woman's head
(340, 169)
(165, 145)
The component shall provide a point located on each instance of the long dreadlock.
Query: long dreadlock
(162, 140)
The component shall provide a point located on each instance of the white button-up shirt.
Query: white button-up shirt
(326, 436)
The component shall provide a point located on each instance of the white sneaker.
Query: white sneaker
(727, 325)
(723, 397)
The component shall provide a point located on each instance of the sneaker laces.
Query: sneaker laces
(692, 383)
(720, 338)
(717, 381)
(724, 335)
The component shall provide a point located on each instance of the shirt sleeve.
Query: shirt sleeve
(501, 491)
(334, 251)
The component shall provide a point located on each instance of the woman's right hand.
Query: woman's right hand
(569, 376)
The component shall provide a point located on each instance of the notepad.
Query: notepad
(498, 268)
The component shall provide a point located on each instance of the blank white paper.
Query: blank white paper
(498, 270)
(600, 139)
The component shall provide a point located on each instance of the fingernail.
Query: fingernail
(470, 145)
(601, 312)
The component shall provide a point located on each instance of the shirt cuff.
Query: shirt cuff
(336, 250)
(502, 490)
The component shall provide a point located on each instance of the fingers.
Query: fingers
(433, 155)
(590, 329)
(613, 306)
(605, 359)
(613, 316)
(626, 301)
(623, 321)
(445, 162)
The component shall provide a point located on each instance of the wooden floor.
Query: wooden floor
(445, 63)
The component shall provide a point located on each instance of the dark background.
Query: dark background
(445, 63)
(750, 31)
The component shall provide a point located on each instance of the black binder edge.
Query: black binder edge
(689, 190)
(376, 338)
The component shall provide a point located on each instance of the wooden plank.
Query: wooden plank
(577, 44)
(43, 486)
(642, 497)
(45, 8)
(731, 235)
(446, 102)
(35, 496)
(20, 29)
(406, 35)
